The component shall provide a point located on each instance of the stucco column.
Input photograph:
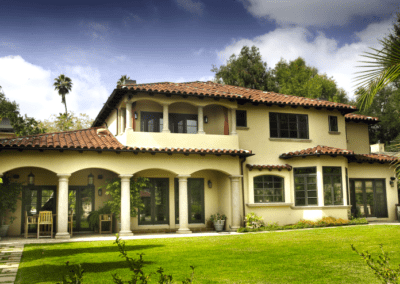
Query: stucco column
(165, 119)
(235, 186)
(128, 116)
(122, 121)
(183, 205)
(125, 205)
(200, 120)
(320, 186)
(233, 129)
(62, 207)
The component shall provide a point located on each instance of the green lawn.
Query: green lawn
(319, 255)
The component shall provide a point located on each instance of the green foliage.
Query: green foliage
(63, 85)
(23, 125)
(64, 122)
(385, 105)
(122, 80)
(93, 217)
(297, 79)
(253, 221)
(113, 188)
(136, 266)
(9, 193)
(380, 266)
(303, 224)
(247, 70)
(75, 275)
(216, 217)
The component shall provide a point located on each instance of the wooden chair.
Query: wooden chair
(29, 220)
(71, 223)
(105, 218)
(45, 218)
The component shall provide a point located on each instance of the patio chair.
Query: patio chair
(45, 218)
(105, 218)
(29, 220)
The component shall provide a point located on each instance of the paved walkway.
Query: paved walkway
(11, 247)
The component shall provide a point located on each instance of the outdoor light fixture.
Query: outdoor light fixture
(209, 184)
(392, 179)
(31, 179)
(206, 119)
(136, 115)
(100, 176)
(100, 191)
(90, 179)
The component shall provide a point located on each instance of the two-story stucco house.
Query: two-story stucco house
(206, 148)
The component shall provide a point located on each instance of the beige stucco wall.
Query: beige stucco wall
(357, 137)
(268, 149)
(378, 171)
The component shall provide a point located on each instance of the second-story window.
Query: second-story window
(241, 118)
(333, 124)
(151, 121)
(183, 123)
(288, 125)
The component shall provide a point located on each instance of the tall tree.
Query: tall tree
(297, 79)
(381, 68)
(63, 85)
(23, 125)
(64, 123)
(123, 79)
(386, 106)
(246, 70)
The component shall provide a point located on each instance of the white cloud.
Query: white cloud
(321, 52)
(318, 12)
(31, 86)
(191, 6)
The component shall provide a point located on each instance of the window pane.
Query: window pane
(145, 213)
(333, 124)
(300, 201)
(271, 190)
(312, 201)
(196, 195)
(241, 118)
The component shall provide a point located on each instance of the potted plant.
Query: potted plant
(93, 217)
(9, 192)
(219, 221)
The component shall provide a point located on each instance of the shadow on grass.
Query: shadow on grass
(55, 273)
(44, 251)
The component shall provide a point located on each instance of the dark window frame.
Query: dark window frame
(176, 191)
(173, 120)
(152, 204)
(144, 127)
(335, 126)
(330, 176)
(275, 179)
(241, 122)
(305, 176)
(298, 129)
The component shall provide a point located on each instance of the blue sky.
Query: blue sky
(171, 40)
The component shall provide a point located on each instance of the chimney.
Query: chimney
(377, 148)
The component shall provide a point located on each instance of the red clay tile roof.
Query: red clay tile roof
(98, 139)
(269, 167)
(360, 117)
(375, 158)
(319, 150)
(211, 89)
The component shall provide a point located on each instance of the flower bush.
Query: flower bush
(216, 217)
(253, 221)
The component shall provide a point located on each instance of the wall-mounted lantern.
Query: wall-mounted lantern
(100, 192)
(136, 115)
(205, 119)
(392, 179)
(209, 184)
(31, 179)
(100, 176)
(90, 179)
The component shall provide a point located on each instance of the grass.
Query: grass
(301, 256)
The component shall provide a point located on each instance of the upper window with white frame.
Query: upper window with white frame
(288, 125)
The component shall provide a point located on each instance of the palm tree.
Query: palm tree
(383, 69)
(63, 85)
(122, 80)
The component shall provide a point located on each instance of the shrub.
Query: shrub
(93, 217)
(253, 221)
(358, 221)
(380, 266)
